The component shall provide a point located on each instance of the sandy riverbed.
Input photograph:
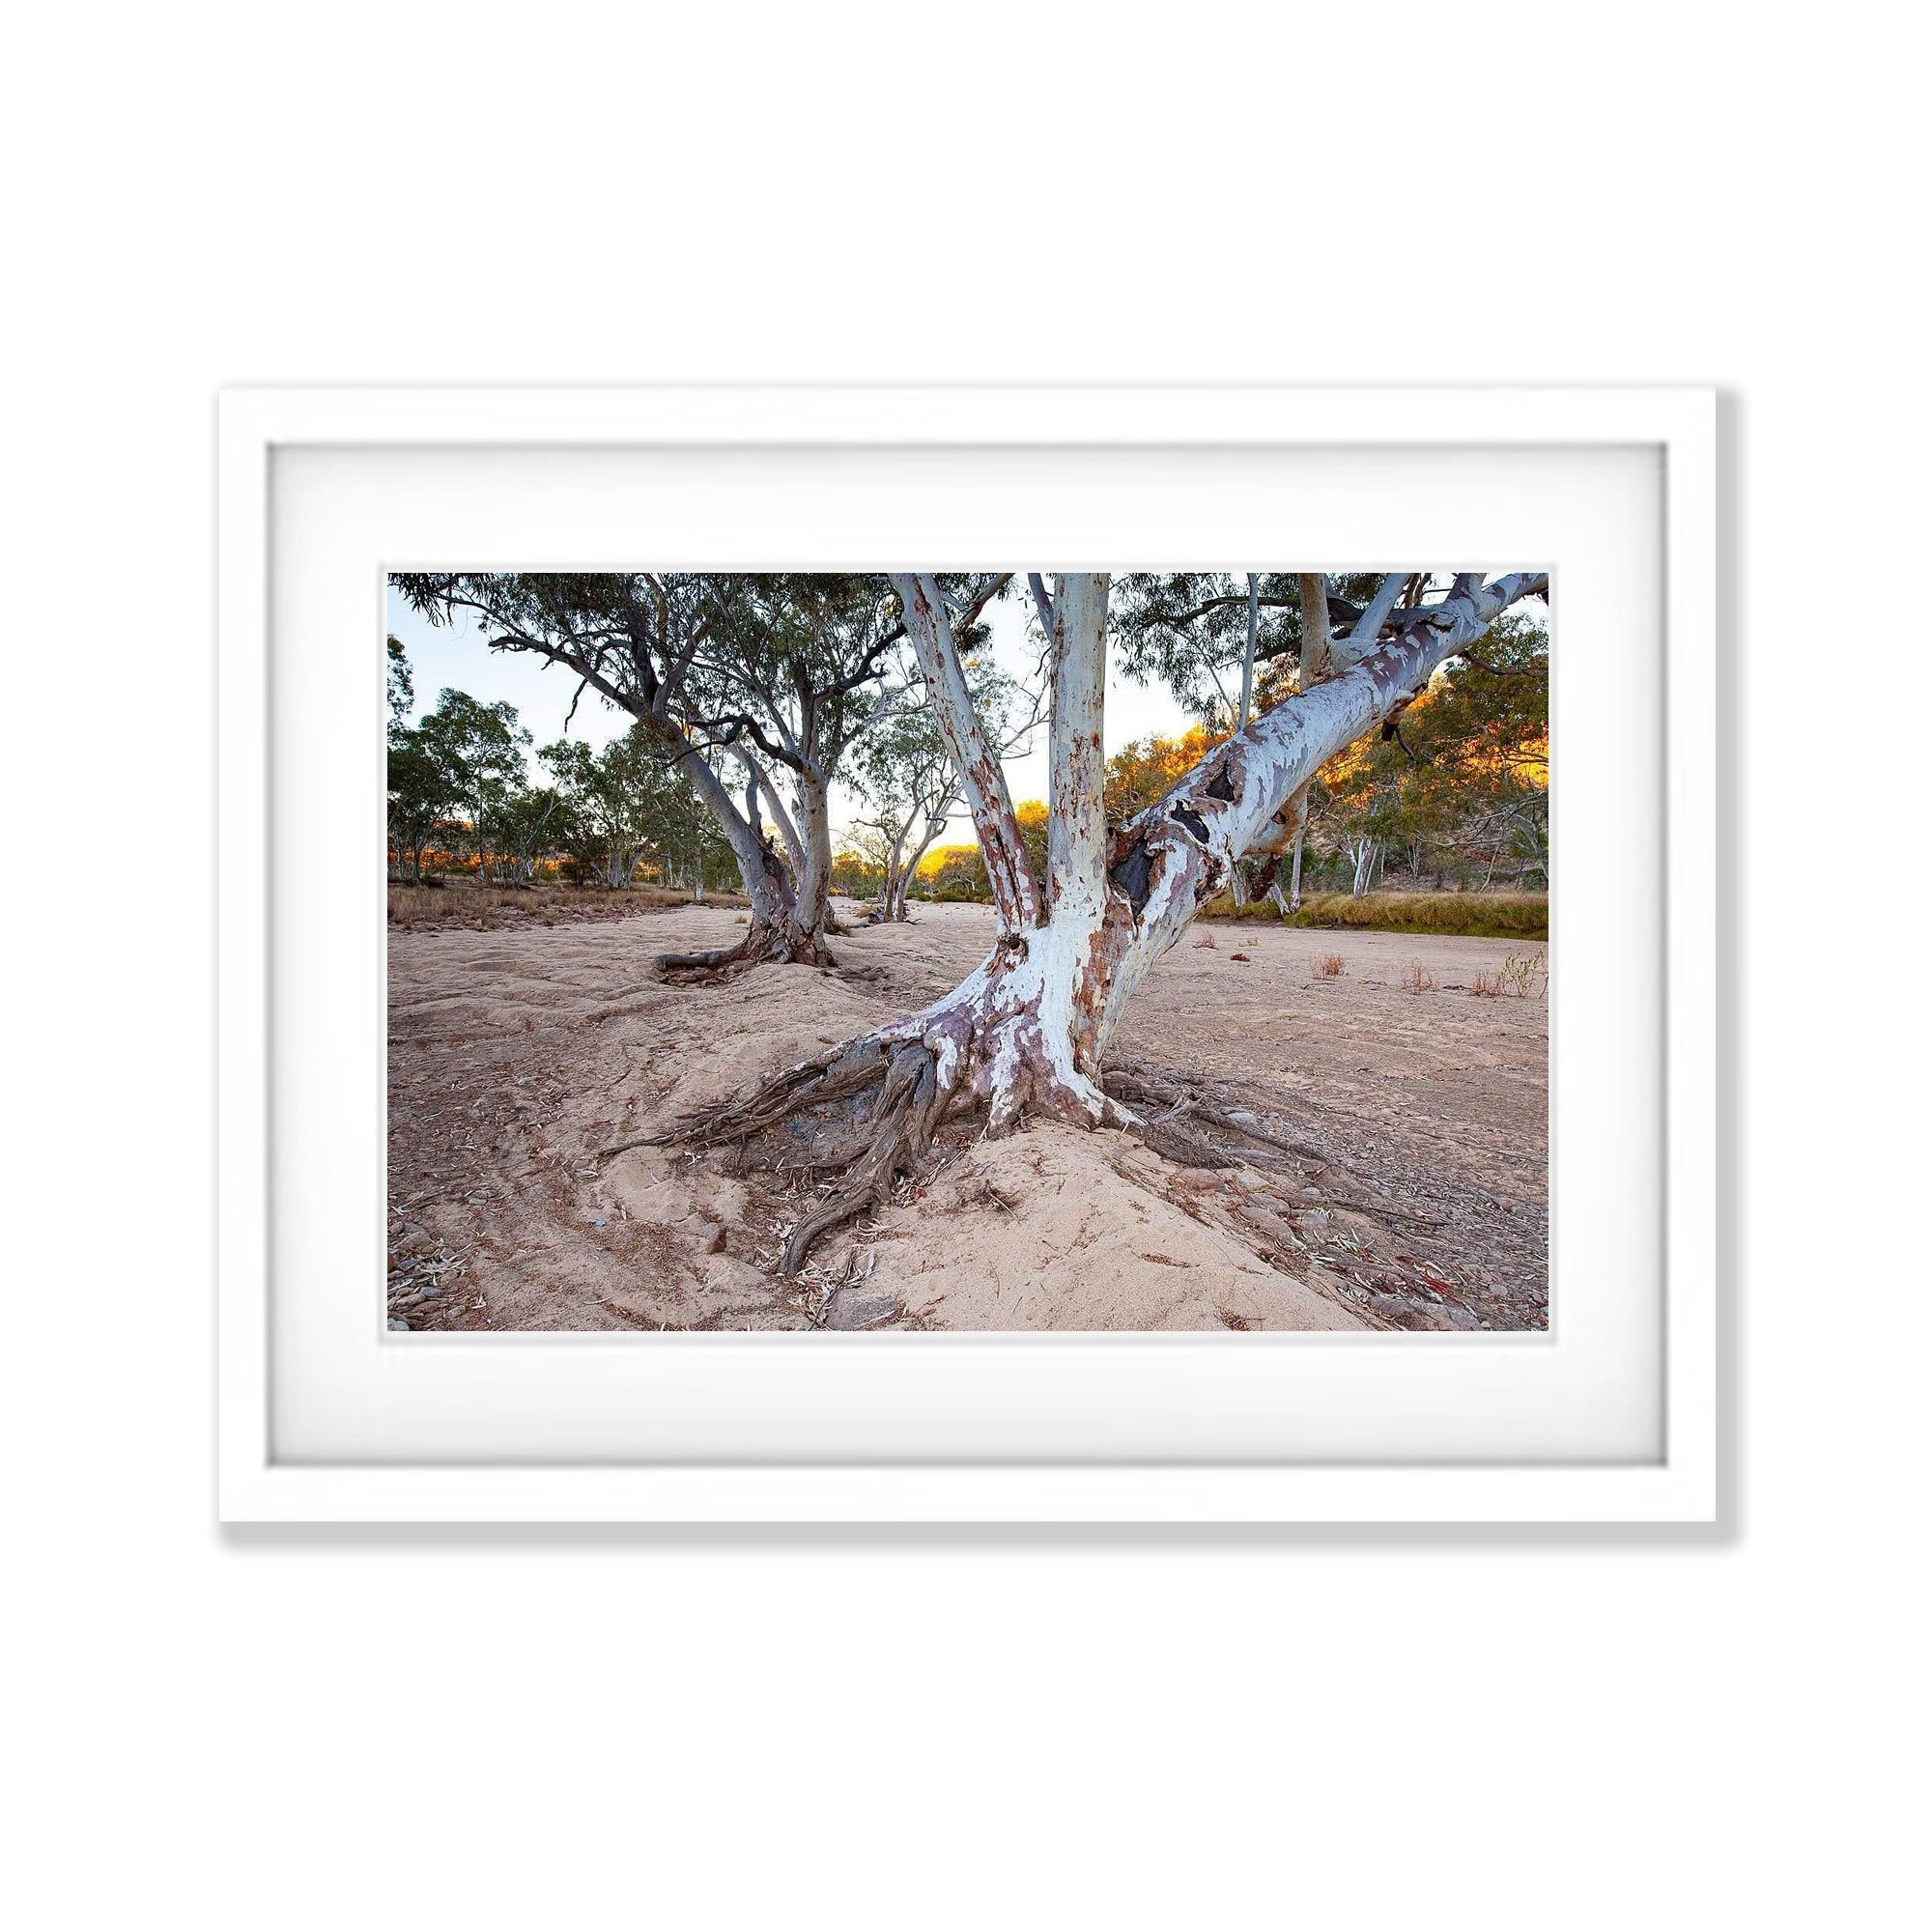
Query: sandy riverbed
(1416, 1197)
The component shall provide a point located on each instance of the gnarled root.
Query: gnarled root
(1164, 1102)
(764, 945)
(1215, 1134)
(884, 1140)
(867, 1111)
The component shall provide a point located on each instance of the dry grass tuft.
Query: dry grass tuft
(1416, 977)
(1329, 965)
(482, 908)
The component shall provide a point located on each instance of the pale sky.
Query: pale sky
(448, 656)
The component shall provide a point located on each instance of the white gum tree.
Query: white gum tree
(1026, 1034)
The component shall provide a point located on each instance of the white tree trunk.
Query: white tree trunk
(1076, 831)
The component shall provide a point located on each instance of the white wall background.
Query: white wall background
(584, 1729)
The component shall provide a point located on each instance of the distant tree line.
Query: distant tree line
(462, 797)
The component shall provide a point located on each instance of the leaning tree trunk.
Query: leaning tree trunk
(777, 934)
(1024, 1035)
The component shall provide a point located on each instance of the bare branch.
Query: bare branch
(1369, 626)
(1041, 602)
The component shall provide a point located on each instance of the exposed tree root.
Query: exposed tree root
(866, 1112)
(1144, 1089)
(893, 1096)
(1162, 1132)
(762, 945)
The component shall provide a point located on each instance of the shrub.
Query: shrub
(1416, 977)
(1520, 973)
(1453, 914)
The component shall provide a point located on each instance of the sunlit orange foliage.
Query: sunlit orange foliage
(1145, 769)
(940, 856)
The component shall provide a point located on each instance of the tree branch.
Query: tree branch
(1369, 625)
(1312, 587)
(1042, 604)
(1016, 898)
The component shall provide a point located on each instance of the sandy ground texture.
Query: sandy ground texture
(1403, 1182)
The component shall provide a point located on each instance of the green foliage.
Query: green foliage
(1188, 630)
(856, 875)
(436, 769)
(628, 806)
(1459, 788)
(402, 683)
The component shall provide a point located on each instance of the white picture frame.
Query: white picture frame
(281, 452)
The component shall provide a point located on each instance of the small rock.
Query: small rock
(859, 1307)
(716, 1244)
(398, 1323)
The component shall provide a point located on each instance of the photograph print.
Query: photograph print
(970, 952)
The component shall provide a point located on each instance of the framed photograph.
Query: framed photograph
(968, 955)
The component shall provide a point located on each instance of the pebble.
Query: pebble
(860, 1307)
(397, 1323)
